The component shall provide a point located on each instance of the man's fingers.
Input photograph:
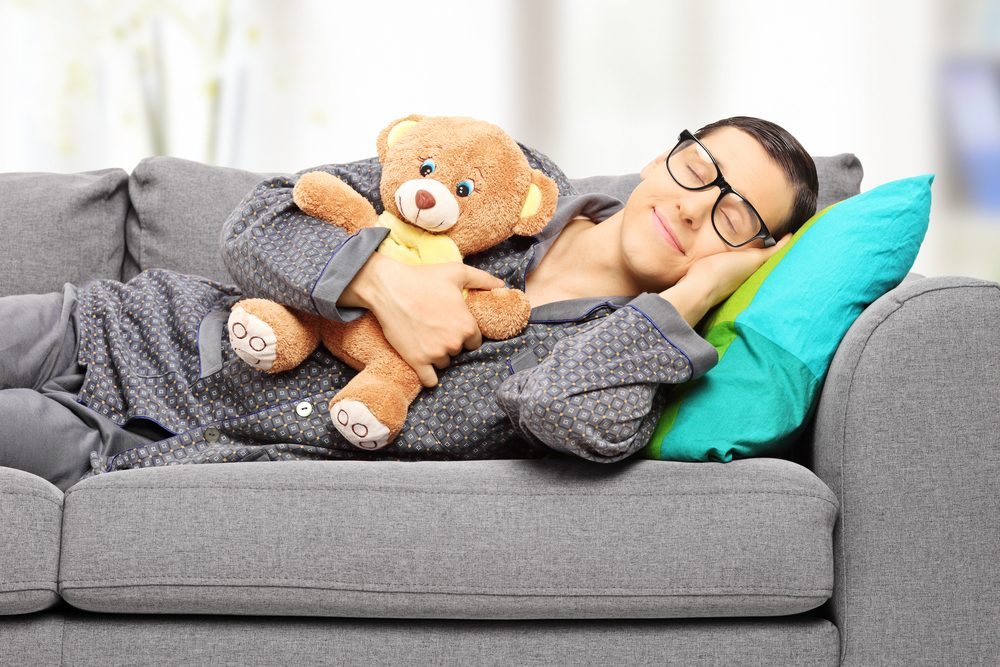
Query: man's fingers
(427, 376)
(479, 279)
(474, 341)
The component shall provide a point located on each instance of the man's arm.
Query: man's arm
(596, 395)
(593, 395)
(273, 250)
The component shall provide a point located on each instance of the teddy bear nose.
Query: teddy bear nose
(424, 199)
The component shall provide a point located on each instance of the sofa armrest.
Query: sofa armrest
(907, 434)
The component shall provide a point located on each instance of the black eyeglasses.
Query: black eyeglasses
(734, 218)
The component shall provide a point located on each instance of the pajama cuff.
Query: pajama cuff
(343, 265)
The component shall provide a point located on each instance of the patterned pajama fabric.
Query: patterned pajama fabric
(586, 377)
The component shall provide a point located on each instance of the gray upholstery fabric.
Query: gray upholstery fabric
(33, 640)
(178, 207)
(839, 178)
(497, 539)
(908, 435)
(30, 521)
(102, 639)
(60, 228)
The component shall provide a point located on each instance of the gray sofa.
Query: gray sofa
(873, 541)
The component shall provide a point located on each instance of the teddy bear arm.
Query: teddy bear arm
(326, 197)
(501, 313)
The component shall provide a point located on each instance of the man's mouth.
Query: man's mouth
(665, 230)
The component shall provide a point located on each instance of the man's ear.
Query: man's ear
(539, 205)
(394, 130)
(648, 170)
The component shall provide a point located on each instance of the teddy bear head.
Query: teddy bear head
(462, 177)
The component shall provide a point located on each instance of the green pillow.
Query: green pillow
(777, 333)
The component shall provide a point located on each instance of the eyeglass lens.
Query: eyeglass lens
(693, 168)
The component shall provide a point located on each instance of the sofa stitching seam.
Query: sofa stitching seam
(432, 588)
(142, 230)
(32, 495)
(287, 489)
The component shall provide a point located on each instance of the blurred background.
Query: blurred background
(601, 86)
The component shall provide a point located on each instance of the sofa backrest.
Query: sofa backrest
(169, 212)
(57, 228)
(177, 210)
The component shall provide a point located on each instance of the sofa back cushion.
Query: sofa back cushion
(58, 228)
(178, 207)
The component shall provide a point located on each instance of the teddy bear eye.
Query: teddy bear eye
(465, 188)
(427, 167)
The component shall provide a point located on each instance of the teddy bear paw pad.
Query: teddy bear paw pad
(252, 339)
(356, 423)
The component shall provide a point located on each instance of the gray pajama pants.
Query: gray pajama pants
(43, 430)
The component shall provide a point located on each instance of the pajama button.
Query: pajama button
(212, 434)
(304, 408)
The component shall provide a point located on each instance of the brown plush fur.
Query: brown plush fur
(461, 148)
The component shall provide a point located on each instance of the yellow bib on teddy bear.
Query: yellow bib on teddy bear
(411, 245)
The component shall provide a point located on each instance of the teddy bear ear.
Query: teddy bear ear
(394, 130)
(539, 204)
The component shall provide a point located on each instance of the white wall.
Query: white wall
(599, 85)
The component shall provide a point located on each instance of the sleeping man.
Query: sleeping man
(109, 375)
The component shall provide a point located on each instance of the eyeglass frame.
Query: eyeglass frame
(724, 189)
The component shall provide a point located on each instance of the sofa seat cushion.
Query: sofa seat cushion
(30, 521)
(502, 539)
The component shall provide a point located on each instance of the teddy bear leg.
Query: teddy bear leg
(369, 412)
(272, 337)
(371, 409)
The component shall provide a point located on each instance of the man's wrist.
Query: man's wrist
(364, 288)
(689, 300)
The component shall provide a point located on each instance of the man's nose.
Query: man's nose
(424, 199)
(695, 208)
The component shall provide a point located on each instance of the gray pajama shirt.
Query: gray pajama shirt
(586, 377)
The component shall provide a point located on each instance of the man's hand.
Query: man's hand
(721, 274)
(421, 309)
(712, 279)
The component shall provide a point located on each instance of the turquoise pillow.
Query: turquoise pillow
(777, 333)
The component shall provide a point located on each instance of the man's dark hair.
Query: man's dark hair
(789, 154)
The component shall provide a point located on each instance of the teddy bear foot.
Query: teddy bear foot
(356, 423)
(252, 339)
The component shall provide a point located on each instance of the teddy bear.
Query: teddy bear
(450, 187)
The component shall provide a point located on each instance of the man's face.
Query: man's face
(658, 200)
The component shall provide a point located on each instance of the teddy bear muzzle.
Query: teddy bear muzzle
(428, 204)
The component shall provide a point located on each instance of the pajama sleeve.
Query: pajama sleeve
(275, 251)
(598, 394)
